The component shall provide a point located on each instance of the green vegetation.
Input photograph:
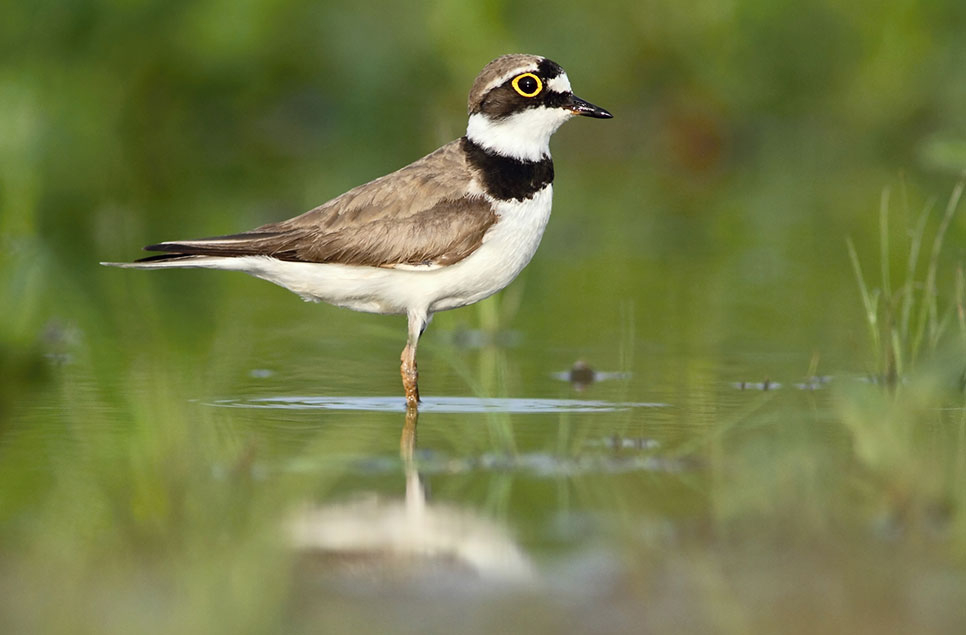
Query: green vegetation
(697, 251)
(908, 440)
(906, 322)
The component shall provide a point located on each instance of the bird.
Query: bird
(443, 232)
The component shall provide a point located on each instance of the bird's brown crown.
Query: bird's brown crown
(511, 82)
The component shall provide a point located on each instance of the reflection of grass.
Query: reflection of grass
(906, 445)
(909, 453)
(905, 321)
(145, 504)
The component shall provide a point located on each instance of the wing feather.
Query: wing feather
(420, 214)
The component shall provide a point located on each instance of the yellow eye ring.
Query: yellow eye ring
(521, 91)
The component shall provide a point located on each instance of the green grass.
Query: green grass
(907, 427)
(908, 321)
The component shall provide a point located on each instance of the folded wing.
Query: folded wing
(419, 215)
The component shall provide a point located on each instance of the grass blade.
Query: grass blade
(870, 301)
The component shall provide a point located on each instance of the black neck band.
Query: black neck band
(506, 178)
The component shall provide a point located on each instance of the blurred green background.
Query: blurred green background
(698, 241)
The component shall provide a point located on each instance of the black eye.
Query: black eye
(527, 85)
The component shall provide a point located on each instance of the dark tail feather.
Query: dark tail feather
(254, 244)
(165, 257)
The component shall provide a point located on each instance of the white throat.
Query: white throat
(524, 135)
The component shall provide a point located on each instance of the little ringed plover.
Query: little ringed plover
(448, 230)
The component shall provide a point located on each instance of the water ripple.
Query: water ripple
(451, 405)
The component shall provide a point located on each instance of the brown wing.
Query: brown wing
(420, 214)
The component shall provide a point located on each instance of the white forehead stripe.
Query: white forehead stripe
(560, 84)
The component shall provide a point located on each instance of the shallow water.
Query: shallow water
(590, 510)
(644, 478)
(667, 423)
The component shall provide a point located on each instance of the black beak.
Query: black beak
(578, 106)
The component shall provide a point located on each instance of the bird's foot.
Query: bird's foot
(410, 380)
(412, 398)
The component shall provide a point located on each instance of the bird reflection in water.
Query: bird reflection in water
(414, 538)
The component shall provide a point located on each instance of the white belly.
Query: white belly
(507, 248)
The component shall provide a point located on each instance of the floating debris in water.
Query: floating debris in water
(762, 385)
(811, 383)
(814, 383)
(261, 373)
(581, 375)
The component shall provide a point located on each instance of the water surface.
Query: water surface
(670, 422)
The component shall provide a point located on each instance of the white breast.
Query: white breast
(507, 248)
